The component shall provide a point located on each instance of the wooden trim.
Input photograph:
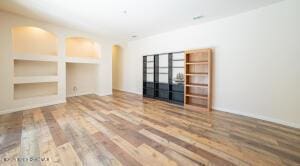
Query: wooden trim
(197, 74)
(195, 108)
(185, 79)
(197, 85)
(197, 96)
(197, 50)
(198, 63)
(209, 78)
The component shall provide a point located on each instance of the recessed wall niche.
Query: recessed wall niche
(35, 63)
(34, 68)
(33, 41)
(80, 47)
(32, 90)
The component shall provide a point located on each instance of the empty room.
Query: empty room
(149, 82)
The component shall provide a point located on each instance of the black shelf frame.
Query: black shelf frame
(170, 92)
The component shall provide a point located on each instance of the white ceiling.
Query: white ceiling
(120, 19)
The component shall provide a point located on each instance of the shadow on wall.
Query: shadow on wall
(117, 67)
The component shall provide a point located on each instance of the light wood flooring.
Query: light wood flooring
(127, 129)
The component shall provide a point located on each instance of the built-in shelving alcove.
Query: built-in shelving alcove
(82, 50)
(33, 41)
(35, 61)
(82, 57)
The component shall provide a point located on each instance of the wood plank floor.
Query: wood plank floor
(127, 129)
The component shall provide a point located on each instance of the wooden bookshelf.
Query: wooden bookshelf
(197, 89)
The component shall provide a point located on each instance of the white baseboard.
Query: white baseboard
(6, 111)
(31, 106)
(139, 93)
(104, 94)
(80, 94)
(261, 117)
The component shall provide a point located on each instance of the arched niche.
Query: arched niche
(81, 47)
(33, 41)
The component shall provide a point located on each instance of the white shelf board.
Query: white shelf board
(40, 98)
(29, 57)
(82, 60)
(34, 79)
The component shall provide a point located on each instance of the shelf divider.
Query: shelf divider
(197, 63)
(197, 85)
(196, 74)
(28, 57)
(34, 79)
(197, 96)
(82, 60)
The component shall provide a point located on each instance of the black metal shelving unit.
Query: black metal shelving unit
(166, 88)
(148, 70)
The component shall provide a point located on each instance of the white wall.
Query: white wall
(117, 55)
(7, 104)
(256, 60)
(104, 78)
(81, 76)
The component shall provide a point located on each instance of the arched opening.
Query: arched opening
(81, 68)
(81, 47)
(116, 67)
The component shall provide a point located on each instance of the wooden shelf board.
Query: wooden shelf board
(197, 96)
(197, 63)
(196, 74)
(198, 51)
(196, 107)
(28, 57)
(197, 85)
(34, 79)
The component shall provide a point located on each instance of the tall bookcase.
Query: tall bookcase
(197, 89)
(163, 77)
